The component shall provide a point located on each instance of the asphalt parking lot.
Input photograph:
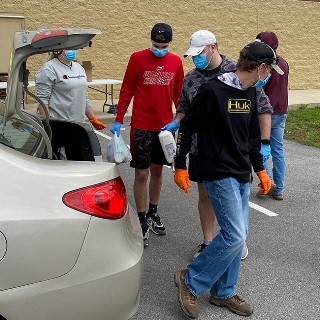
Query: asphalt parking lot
(280, 277)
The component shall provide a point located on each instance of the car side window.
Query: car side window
(18, 134)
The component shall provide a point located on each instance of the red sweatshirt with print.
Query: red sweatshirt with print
(154, 84)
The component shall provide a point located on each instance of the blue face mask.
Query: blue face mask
(261, 83)
(200, 61)
(159, 53)
(70, 55)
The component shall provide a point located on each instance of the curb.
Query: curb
(308, 105)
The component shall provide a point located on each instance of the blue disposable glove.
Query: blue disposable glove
(172, 126)
(265, 151)
(116, 128)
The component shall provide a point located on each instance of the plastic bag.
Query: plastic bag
(117, 150)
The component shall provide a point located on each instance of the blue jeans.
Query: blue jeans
(278, 123)
(217, 267)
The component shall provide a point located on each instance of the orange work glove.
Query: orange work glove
(97, 124)
(181, 178)
(265, 182)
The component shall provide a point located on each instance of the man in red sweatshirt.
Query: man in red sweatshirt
(153, 78)
(277, 91)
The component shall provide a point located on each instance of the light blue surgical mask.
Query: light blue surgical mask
(200, 61)
(70, 55)
(261, 83)
(159, 53)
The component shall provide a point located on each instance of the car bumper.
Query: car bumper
(103, 284)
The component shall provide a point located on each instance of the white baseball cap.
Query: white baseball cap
(198, 41)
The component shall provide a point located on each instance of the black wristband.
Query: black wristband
(265, 141)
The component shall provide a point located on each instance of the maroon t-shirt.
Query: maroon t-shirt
(277, 88)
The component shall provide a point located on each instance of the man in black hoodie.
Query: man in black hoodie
(224, 116)
(277, 91)
(209, 63)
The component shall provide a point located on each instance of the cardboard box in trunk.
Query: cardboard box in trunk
(87, 65)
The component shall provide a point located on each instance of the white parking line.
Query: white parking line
(102, 135)
(262, 209)
(106, 136)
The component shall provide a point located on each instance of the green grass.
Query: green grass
(303, 126)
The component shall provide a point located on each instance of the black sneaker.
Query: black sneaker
(145, 233)
(156, 225)
(201, 247)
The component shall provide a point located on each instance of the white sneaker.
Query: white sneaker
(245, 251)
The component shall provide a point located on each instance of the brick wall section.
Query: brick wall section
(126, 28)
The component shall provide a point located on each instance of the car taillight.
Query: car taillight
(107, 200)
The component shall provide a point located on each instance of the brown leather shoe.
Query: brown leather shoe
(273, 194)
(270, 193)
(188, 302)
(277, 196)
(235, 304)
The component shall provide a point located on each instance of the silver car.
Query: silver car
(70, 243)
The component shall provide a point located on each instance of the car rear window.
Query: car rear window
(16, 133)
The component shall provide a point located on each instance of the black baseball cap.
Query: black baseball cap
(162, 33)
(261, 52)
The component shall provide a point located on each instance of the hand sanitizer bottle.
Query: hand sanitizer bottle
(168, 145)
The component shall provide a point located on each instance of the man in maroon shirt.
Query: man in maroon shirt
(277, 91)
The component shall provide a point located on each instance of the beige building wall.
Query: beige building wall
(126, 25)
(9, 24)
